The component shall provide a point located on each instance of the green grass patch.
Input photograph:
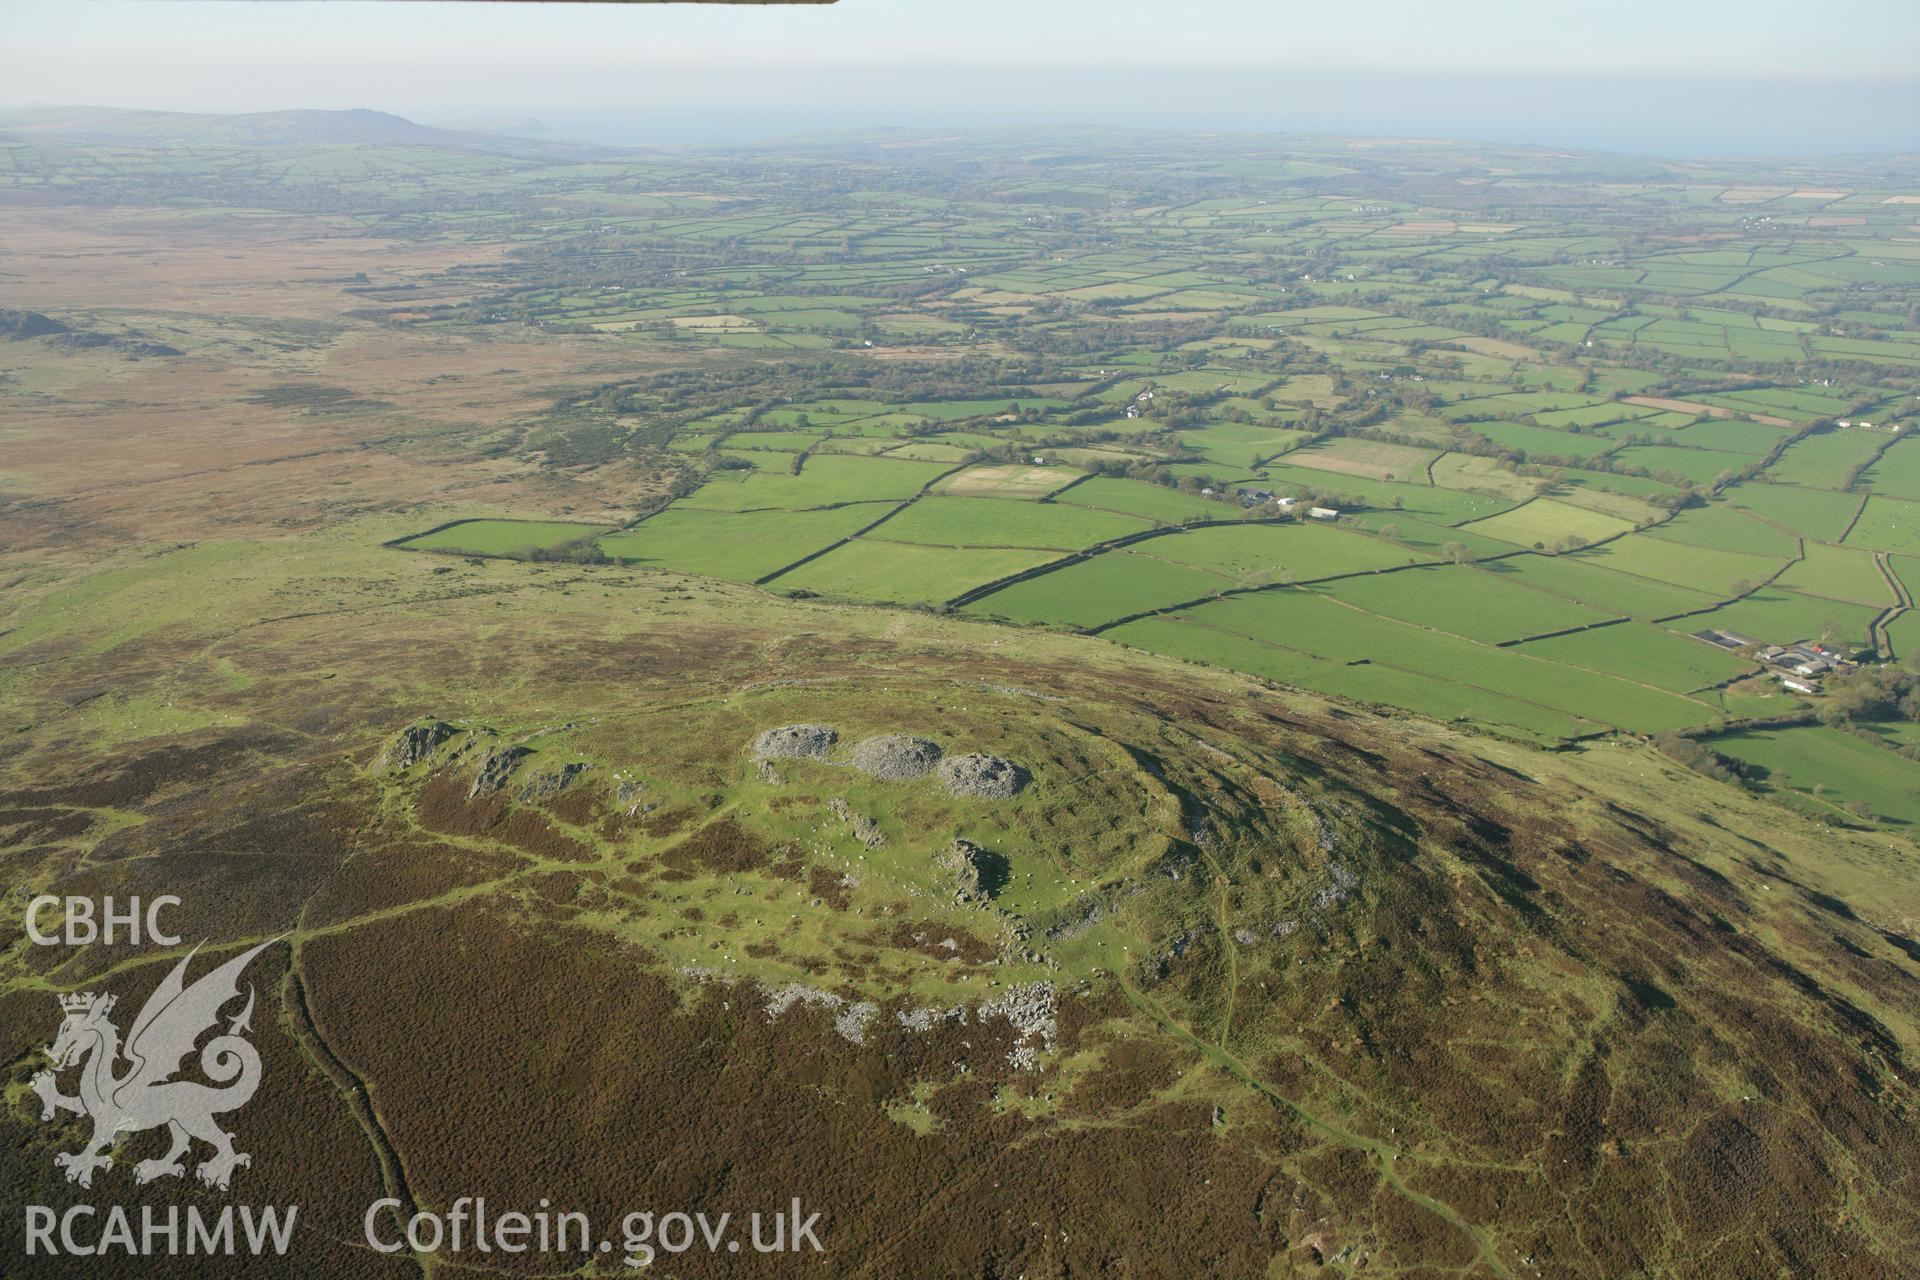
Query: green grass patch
(1001, 522)
(1831, 767)
(1733, 436)
(1422, 500)
(1189, 637)
(1238, 445)
(1541, 442)
(1839, 573)
(1819, 514)
(907, 574)
(1706, 569)
(1368, 459)
(1115, 584)
(1546, 522)
(1577, 578)
(1697, 466)
(827, 480)
(1464, 600)
(1888, 524)
(1315, 624)
(1645, 654)
(1007, 480)
(1778, 616)
(1723, 529)
(1260, 554)
(743, 546)
(1148, 501)
(1897, 472)
(1824, 461)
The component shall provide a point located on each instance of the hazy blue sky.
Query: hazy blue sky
(1670, 75)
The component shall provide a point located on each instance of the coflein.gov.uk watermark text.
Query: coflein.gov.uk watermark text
(469, 1227)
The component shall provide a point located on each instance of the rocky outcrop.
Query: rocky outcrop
(415, 743)
(896, 757)
(544, 786)
(978, 874)
(631, 795)
(966, 872)
(1342, 883)
(1031, 1010)
(132, 347)
(926, 1018)
(865, 829)
(850, 1016)
(496, 767)
(1089, 914)
(795, 742)
(987, 777)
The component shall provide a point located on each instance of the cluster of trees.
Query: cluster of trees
(1872, 694)
(576, 551)
(1701, 758)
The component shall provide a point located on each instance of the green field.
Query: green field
(1367, 459)
(1812, 513)
(1829, 768)
(1443, 506)
(825, 481)
(1006, 480)
(899, 571)
(1644, 654)
(1751, 438)
(1824, 461)
(1464, 600)
(1888, 524)
(1897, 471)
(1236, 445)
(1839, 573)
(1323, 628)
(1697, 466)
(1149, 501)
(778, 441)
(744, 546)
(1000, 522)
(1103, 589)
(1541, 442)
(1443, 699)
(1545, 522)
(1722, 529)
(1778, 616)
(1428, 541)
(1262, 554)
(1718, 573)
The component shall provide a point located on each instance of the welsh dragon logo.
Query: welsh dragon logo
(144, 1094)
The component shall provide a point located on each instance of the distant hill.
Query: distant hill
(22, 326)
(518, 126)
(356, 127)
(18, 326)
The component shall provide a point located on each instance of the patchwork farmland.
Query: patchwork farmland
(1561, 601)
(1483, 464)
